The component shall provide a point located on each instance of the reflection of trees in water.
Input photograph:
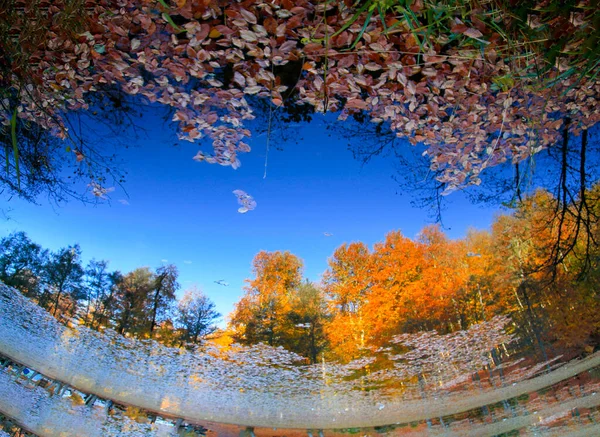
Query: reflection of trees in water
(220, 384)
(47, 406)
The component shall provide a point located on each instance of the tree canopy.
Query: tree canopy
(369, 296)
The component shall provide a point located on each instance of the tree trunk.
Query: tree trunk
(155, 309)
(56, 301)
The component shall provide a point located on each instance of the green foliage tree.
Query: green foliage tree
(132, 295)
(21, 263)
(100, 287)
(163, 294)
(308, 316)
(195, 314)
(63, 278)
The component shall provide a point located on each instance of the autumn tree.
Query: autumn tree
(554, 300)
(481, 297)
(261, 314)
(308, 317)
(196, 314)
(398, 268)
(347, 282)
(442, 281)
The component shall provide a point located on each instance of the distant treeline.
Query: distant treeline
(141, 303)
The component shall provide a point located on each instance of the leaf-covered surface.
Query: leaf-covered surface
(260, 385)
(478, 83)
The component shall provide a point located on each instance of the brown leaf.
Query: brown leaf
(224, 30)
(270, 24)
(312, 47)
(248, 16)
(190, 52)
(473, 33)
(287, 46)
(231, 13)
(459, 28)
(373, 66)
(356, 104)
(212, 118)
(346, 61)
(248, 35)
(342, 39)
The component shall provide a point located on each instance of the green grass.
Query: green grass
(558, 33)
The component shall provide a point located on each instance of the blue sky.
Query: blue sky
(183, 212)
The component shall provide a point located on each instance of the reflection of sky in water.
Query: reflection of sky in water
(315, 197)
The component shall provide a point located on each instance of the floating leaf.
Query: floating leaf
(248, 35)
(373, 66)
(248, 16)
(248, 203)
(252, 89)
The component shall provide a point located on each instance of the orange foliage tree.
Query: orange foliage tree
(259, 316)
(407, 285)
(553, 300)
(347, 283)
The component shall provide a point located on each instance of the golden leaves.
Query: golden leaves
(214, 33)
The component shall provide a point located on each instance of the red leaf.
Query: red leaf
(459, 28)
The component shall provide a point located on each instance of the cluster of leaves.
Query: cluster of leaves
(465, 79)
(140, 303)
(247, 201)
